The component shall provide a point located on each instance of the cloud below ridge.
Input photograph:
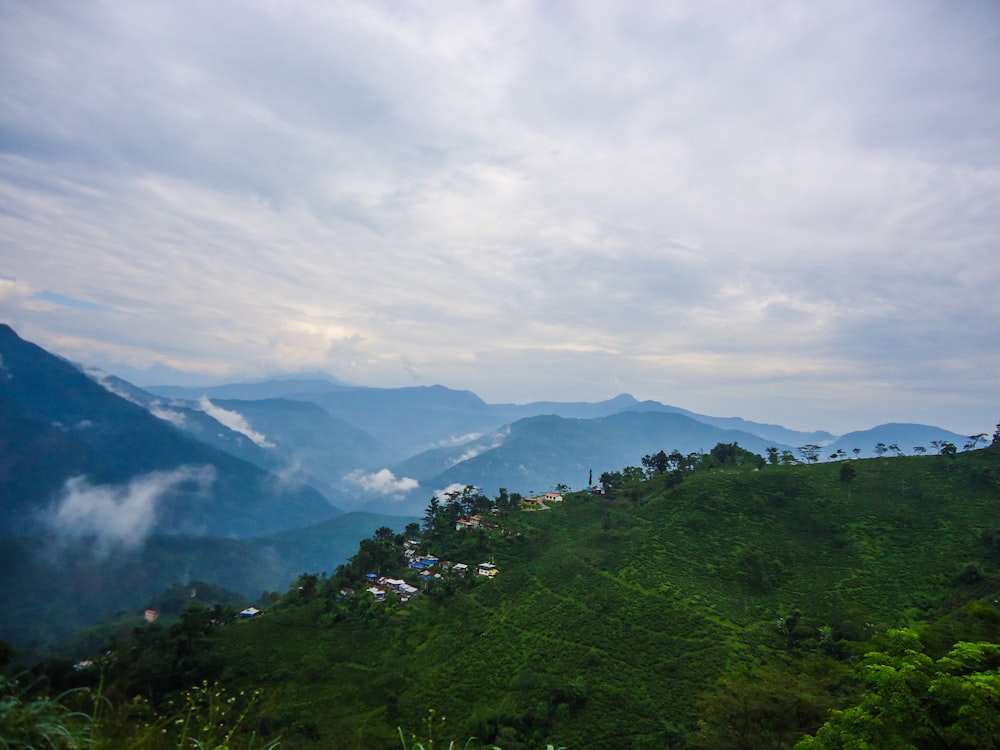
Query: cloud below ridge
(382, 482)
(234, 421)
(121, 514)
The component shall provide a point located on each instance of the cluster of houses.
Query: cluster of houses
(379, 586)
(429, 567)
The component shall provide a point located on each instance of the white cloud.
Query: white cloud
(234, 421)
(454, 440)
(154, 407)
(492, 195)
(158, 410)
(453, 488)
(121, 514)
(382, 482)
(495, 440)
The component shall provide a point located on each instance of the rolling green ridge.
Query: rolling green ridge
(723, 607)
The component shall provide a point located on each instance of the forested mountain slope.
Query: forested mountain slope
(72, 451)
(720, 606)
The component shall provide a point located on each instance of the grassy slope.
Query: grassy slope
(610, 618)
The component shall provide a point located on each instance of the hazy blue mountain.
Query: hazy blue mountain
(569, 409)
(295, 439)
(187, 416)
(414, 421)
(282, 388)
(410, 420)
(906, 436)
(52, 587)
(325, 446)
(772, 432)
(418, 420)
(537, 453)
(113, 468)
(429, 464)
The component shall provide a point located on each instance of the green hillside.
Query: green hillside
(720, 607)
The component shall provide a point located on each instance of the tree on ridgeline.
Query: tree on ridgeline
(810, 452)
(974, 441)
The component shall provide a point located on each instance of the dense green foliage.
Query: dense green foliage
(705, 602)
(912, 700)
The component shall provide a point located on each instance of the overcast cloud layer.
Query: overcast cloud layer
(784, 211)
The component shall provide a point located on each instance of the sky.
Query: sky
(784, 211)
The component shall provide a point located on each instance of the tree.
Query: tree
(611, 481)
(919, 450)
(730, 454)
(384, 535)
(633, 474)
(912, 701)
(656, 463)
(880, 449)
(810, 452)
(772, 456)
(974, 441)
(432, 513)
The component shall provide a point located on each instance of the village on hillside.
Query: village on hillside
(430, 568)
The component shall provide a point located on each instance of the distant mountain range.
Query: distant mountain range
(78, 458)
(422, 440)
(386, 450)
(535, 454)
(91, 460)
